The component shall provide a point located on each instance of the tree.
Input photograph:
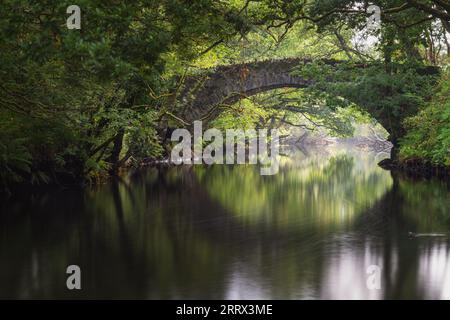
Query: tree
(103, 85)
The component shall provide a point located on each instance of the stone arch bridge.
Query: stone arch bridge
(227, 84)
(203, 94)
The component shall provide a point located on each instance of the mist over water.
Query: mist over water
(226, 232)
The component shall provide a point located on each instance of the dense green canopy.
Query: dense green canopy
(82, 103)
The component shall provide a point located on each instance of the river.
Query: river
(312, 231)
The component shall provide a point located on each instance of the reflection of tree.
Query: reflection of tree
(406, 262)
(167, 255)
(428, 204)
(333, 190)
(218, 232)
(31, 249)
(129, 242)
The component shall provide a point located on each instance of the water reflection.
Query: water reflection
(219, 232)
(434, 271)
(327, 189)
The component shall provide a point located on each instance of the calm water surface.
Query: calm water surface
(223, 232)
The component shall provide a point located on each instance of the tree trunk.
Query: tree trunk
(394, 150)
(114, 158)
(447, 42)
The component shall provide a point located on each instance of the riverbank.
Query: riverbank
(417, 168)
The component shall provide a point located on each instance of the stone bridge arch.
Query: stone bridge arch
(227, 84)
(202, 95)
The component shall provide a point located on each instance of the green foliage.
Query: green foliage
(245, 114)
(411, 31)
(262, 44)
(14, 160)
(389, 96)
(142, 140)
(80, 103)
(428, 134)
(286, 109)
(30, 149)
(83, 102)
